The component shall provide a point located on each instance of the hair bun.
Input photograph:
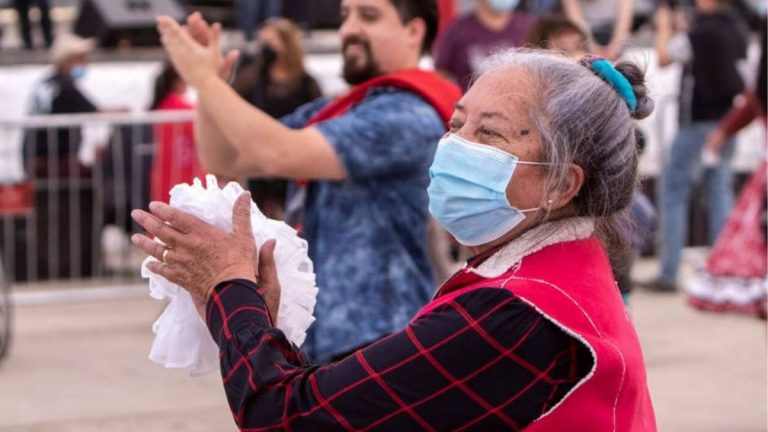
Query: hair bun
(636, 78)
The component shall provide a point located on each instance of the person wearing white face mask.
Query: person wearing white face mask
(52, 153)
(531, 334)
(58, 93)
(471, 39)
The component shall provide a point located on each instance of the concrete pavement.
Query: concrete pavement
(706, 372)
(82, 366)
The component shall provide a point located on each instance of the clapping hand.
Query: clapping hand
(198, 256)
(195, 49)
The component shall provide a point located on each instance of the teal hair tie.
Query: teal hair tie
(605, 70)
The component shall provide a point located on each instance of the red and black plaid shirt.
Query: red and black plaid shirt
(484, 361)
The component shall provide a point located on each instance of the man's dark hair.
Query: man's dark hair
(424, 9)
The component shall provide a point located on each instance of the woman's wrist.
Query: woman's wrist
(239, 271)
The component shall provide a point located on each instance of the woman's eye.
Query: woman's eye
(488, 132)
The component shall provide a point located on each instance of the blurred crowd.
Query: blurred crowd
(717, 97)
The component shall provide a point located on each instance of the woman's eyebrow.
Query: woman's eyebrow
(492, 114)
(486, 114)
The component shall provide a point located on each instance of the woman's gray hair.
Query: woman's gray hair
(584, 121)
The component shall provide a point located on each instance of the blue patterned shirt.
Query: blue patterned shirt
(367, 234)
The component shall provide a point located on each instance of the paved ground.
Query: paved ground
(81, 366)
(707, 373)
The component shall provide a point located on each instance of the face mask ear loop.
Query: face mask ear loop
(549, 203)
(531, 210)
(538, 163)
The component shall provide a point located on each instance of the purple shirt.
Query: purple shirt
(467, 42)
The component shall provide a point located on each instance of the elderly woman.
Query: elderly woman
(531, 334)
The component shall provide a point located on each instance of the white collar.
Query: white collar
(534, 240)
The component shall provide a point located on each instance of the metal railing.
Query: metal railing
(68, 184)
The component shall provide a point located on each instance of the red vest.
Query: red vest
(436, 90)
(572, 285)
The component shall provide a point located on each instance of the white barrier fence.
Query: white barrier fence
(68, 184)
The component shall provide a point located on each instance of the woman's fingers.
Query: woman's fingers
(168, 272)
(180, 220)
(157, 227)
(268, 278)
(267, 265)
(150, 247)
(241, 217)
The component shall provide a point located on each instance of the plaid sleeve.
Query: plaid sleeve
(484, 361)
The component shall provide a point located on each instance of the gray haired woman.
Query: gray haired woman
(531, 334)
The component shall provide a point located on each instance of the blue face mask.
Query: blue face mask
(77, 72)
(467, 190)
(504, 5)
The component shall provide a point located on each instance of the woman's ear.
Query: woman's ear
(574, 180)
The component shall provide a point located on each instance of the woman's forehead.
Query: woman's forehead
(504, 94)
(507, 88)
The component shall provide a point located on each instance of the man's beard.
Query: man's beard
(359, 70)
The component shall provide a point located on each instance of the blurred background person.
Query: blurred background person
(175, 160)
(734, 277)
(275, 79)
(608, 23)
(276, 82)
(471, 39)
(447, 10)
(58, 93)
(251, 13)
(52, 153)
(25, 25)
(709, 49)
(540, 8)
(558, 33)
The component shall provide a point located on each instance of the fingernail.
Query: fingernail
(154, 205)
(135, 239)
(135, 214)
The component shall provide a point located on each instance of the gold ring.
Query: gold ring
(164, 256)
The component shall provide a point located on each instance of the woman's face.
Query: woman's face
(269, 34)
(496, 111)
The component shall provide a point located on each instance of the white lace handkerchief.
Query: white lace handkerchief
(182, 339)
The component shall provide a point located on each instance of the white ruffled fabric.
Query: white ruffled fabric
(182, 339)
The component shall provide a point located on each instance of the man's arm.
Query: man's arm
(663, 22)
(255, 143)
(216, 154)
(622, 27)
(573, 12)
(235, 138)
